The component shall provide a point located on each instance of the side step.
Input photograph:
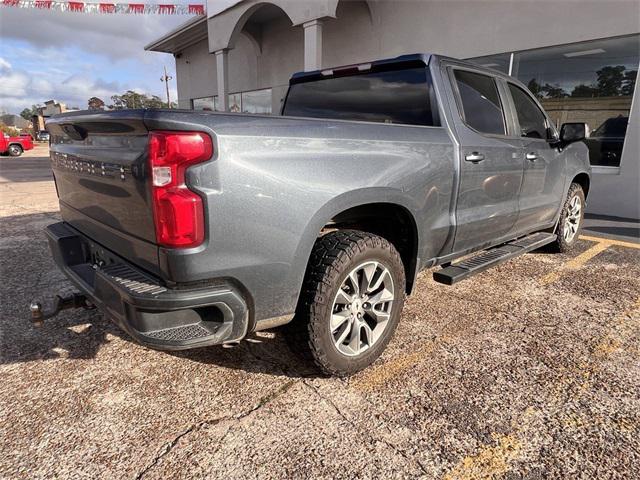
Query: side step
(492, 257)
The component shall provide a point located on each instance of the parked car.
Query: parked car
(14, 146)
(43, 136)
(191, 229)
(606, 141)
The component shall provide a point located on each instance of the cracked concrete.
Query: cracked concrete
(529, 370)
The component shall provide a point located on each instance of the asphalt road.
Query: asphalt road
(529, 370)
(30, 167)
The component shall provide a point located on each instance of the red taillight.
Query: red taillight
(177, 211)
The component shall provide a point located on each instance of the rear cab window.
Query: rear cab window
(480, 105)
(396, 96)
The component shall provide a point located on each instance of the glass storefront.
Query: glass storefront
(591, 82)
(500, 62)
(204, 103)
(256, 101)
(235, 102)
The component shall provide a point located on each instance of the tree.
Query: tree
(553, 91)
(545, 91)
(629, 82)
(534, 87)
(610, 80)
(95, 103)
(28, 113)
(584, 91)
(11, 131)
(131, 99)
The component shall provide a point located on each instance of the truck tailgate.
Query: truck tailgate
(99, 166)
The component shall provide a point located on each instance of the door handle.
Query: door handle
(532, 156)
(474, 157)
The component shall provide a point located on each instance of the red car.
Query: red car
(14, 146)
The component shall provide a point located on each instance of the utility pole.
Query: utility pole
(165, 78)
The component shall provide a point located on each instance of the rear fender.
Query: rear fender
(331, 209)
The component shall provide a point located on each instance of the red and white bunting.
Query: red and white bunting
(130, 8)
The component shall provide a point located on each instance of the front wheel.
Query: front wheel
(15, 150)
(351, 301)
(571, 218)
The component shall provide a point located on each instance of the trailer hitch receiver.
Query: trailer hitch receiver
(75, 300)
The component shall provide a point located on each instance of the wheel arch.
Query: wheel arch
(365, 208)
(584, 180)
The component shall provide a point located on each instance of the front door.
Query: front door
(544, 173)
(491, 165)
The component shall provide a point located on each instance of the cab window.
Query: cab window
(533, 123)
(481, 107)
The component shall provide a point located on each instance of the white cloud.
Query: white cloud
(13, 83)
(71, 57)
(115, 36)
(18, 89)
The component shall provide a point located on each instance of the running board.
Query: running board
(492, 257)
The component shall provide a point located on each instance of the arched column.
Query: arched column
(225, 27)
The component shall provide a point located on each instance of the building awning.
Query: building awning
(181, 37)
(190, 32)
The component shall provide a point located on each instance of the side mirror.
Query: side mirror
(573, 132)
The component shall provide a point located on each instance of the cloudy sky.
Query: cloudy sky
(71, 57)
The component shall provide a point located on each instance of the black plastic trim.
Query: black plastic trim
(492, 257)
(140, 304)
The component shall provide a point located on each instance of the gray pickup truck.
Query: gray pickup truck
(192, 229)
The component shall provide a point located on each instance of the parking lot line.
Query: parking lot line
(601, 244)
(489, 461)
(610, 241)
(378, 375)
(576, 262)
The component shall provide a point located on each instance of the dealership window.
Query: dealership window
(204, 103)
(235, 102)
(481, 106)
(500, 62)
(591, 82)
(257, 101)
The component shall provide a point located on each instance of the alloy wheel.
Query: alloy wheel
(572, 221)
(362, 308)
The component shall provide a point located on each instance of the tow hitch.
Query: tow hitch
(75, 300)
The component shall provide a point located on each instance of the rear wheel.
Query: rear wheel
(15, 150)
(351, 302)
(571, 218)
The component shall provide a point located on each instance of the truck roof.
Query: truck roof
(414, 58)
(409, 59)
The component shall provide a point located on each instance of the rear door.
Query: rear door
(491, 164)
(544, 172)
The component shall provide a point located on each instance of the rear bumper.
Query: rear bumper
(153, 314)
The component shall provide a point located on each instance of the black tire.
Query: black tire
(566, 239)
(15, 150)
(334, 256)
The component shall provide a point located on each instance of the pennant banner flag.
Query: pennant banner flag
(131, 8)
